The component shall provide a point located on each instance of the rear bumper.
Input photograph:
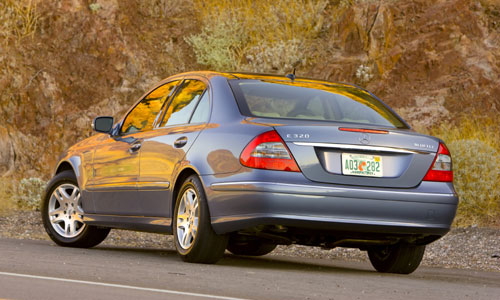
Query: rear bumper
(426, 210)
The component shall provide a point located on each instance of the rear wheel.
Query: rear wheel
(195, 240)
(253, 247)
(401, 258)
(62, 214)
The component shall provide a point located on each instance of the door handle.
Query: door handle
(135, 146)
(180, 142)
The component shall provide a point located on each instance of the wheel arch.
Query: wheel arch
(185, 173)
(64, 166)
(72, 163)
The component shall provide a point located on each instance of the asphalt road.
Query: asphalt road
(40, 270)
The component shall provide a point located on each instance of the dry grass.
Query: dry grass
(489, 2)
(475, 148)
(18, 18)
(7, 202)
(161, 8)
(259, 36)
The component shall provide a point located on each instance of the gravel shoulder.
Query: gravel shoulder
(463, 248)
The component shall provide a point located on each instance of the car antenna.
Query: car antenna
(291, 76)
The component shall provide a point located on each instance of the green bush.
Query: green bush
(475, 151)
(259, 36)
(30, 192)
(477, 177)
(217, 46)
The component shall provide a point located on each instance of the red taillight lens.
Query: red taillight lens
(268, 151)
(441, 166)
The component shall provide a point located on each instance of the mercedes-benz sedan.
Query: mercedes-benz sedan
(245, 162)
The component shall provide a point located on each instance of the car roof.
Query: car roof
(257, 76)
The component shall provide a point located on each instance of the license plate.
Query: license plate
(362, 165)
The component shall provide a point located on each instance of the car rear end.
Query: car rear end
(331, 165)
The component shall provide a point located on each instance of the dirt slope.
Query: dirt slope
(431, 60)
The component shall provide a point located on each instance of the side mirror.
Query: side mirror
(103, 124)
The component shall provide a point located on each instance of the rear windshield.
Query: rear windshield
(311, 101)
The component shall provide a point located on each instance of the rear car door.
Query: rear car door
(116, 159)
(164, 148)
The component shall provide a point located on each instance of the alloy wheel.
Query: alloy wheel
(187, 218)
(65, 211)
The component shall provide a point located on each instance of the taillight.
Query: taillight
(441, 166)
(268, 151)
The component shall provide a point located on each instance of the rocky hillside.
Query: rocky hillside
(64, 62)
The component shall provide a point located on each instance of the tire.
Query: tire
(62, 214)
(400, 259)
(195, 240)
(250, 247)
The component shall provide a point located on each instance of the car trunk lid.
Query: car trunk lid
(324, 152)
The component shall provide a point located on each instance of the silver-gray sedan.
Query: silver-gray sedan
(245, 162)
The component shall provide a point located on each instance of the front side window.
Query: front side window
(185, 100)
(144, 114)
(312, 101)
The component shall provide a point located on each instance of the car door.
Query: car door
(165, 147)
(116, 159)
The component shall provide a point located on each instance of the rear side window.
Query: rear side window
(311, 101)
(185, 100)
(144, 114)
(202, 112)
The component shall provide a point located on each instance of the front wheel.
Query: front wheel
(195, 240)
(401, 258)
(62, 214)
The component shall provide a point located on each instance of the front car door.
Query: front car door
(116, 159)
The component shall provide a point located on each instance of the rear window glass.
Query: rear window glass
(311, 101)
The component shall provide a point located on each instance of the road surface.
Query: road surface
(40, 270)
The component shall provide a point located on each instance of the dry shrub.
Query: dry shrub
(258, 36)
(475, 148)
(18, 18)
(24, 194)
(30, 192)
